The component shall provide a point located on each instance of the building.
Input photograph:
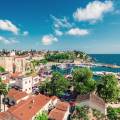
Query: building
(24, 83)
(16, 96)
(27, 109)
(35, 80)
(60, 112)
(55, 100)
(93, 101)
(13, 63)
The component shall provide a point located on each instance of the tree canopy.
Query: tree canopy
(2, 69)
(108, 88)
(83, 80)
(56, 86)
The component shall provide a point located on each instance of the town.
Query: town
(38, 85)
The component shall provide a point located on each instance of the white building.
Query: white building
(35, 80)
(25, 83)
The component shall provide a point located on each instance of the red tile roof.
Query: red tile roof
(54, 97)
(62, 106)
(16, 94)
(15, 75)
(27, 109)
(56, 114)
(6, 116)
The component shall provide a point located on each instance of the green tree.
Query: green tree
(81, 113)
(45, 87)
(59, 84)
(56, 86)
(42, 116)
(112, 114)
(2, 69)
(108, 88)
(83, 80)
(82, 74)
(3, 91)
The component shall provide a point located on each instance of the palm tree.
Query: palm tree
(3, 91)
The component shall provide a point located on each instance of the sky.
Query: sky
(92, 26)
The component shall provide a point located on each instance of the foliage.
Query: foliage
(81, 113)
(113, 113)
(42, 116)
(83, 81)
(3, 91)
(2, 69)
(45, 87)
(108, 89)
(58, 56)
(43, 61)
(57, 86)
(82, 55)
(82, 74)
(98, 114)
(68, 55)
(3, 88)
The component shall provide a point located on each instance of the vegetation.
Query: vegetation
(82, 55)
(81, 113)
(56, 86)
(38, 62)
(113, 113)
(42, 116)
(3, 91)
(57, 56)
(108, 89)
(83, 80)
(86, 113)
(97, 114)
(2, 69)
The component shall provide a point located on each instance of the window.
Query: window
(25, 82)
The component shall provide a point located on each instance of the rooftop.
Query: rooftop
(56, 114)
(16, 94)
(27, 109)
(62, 106)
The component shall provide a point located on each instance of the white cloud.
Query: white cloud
(58, 32)
(49, 39)
(13, 41)
(94, 11)
(61, 22)
(7, 25)
(6, 41)
(25, 33)
(78, 32)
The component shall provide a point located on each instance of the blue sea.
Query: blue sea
(107, 59)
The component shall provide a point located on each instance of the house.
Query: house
(55, 100)
(35, 80)
(24, 83)
(93, 101)
(60, 112)
(16, 96)
(28, 109)
(13, 63)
